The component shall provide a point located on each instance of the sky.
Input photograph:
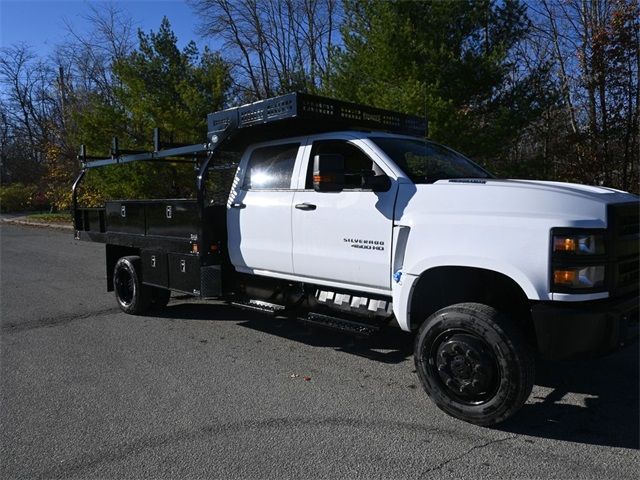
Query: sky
(41, 23)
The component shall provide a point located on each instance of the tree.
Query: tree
(80, 77)
(275, 46)
(27, 104)
(596, 57)
(454, 60)
(157, 85)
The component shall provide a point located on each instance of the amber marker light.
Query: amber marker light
(324, 178)
(564, 244)
(565, 277)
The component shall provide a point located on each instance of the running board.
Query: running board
(335, 323)
(261, 306)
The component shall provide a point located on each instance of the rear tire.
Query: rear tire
(132, 296)
(474, 363)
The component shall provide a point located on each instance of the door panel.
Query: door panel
(259, 210)
(260, 232)
(346, 236)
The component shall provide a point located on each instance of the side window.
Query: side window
(271, 167)
(356, 163)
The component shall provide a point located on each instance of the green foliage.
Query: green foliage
(452, 59)
(51, 217)
(16, 197)
(164, 87)
(156, 86)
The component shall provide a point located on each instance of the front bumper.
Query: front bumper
(584, 329)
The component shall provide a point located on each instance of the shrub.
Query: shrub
(16, 197)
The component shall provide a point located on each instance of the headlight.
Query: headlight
(578, 260)
(582, 244)
(579, 277)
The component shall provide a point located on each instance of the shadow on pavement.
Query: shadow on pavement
(386, 346)
(608, 386)
(610, 415)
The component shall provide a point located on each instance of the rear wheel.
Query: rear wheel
(133, 297)
(474, 363)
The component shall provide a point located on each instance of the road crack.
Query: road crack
(10, 327)
(440, 466)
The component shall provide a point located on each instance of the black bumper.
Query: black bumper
(567, 330)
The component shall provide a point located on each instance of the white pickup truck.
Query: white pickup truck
(357, 228)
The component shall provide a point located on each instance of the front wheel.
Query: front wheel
(474, 363)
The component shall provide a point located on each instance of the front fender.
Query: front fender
(403, 285)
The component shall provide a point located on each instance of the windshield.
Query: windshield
(427, 162)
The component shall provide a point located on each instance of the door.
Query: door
(346, 236)
(259, 210)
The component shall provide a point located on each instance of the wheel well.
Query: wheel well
(443, 286)
(115, 253)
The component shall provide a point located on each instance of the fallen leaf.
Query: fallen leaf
(307, 379)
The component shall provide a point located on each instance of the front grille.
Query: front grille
(629, 225)
(624, 222)
(628, 273)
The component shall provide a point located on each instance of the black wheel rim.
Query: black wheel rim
(124, 286)
(465, 366)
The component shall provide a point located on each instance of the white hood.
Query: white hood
(567, 204)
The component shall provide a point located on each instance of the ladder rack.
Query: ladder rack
(288, 115)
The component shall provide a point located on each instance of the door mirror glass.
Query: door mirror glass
(328, 173)
(376, 183)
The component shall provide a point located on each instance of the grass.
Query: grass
(50, 217)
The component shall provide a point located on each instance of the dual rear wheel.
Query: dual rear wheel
(132, 295)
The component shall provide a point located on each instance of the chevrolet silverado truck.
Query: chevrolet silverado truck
(348, 217)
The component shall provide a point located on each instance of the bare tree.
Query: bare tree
(86, 59)
(27, 105)
(275, 45)
(596, 53)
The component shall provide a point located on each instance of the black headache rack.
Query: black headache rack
(299, 114)
(182, 242)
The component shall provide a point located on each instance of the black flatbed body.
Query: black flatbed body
(166, 233)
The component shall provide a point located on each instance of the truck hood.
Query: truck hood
(565, 204)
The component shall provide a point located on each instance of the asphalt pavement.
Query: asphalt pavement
(208, 391)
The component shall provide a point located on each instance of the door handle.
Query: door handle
(238, 205)
(305, 206)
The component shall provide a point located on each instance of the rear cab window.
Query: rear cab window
(271, 167)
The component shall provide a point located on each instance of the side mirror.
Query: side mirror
(328, 173)
(377, 183)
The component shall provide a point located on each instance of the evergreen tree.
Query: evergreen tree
(451, 59)
(157, 85)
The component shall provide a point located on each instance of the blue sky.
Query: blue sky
(40, 23)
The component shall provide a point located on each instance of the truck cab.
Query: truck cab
(362, 228)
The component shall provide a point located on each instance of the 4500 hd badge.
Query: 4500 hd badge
(365, 244)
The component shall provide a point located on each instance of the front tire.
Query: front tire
(474, 363)
(133, 297)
